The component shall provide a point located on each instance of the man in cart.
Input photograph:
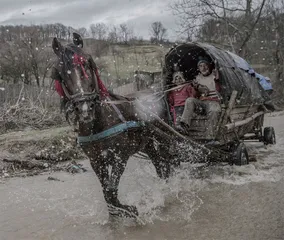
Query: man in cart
(203, 100)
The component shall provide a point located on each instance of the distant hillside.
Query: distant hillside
(118, 62)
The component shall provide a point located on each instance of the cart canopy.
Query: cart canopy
(235, 73)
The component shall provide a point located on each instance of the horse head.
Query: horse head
(78, 78)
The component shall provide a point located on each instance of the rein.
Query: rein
(175, 88)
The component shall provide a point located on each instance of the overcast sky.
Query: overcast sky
(81, 13)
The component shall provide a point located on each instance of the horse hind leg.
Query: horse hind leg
(161, 164)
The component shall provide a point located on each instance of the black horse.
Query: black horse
(110, 127)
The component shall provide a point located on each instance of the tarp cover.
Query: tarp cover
(243, 64)
(266, 85)
(235, 72)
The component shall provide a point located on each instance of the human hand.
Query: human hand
(204, 91)
(194, 83)
(215, 73)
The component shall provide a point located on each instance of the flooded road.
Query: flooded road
(220, 202)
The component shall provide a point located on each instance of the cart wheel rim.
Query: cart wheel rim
(273, 139)
(244, 158)
(241, 155)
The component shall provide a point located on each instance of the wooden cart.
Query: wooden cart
(242, 100)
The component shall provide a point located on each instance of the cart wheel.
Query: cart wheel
(240, 155)
(269, 136)
(260, 135)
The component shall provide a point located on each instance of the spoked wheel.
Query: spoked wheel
(240, 155)
(269, 136)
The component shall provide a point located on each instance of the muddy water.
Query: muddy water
(219, 202)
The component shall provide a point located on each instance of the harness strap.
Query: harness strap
(123, 127)
(65, 91)
(117, 111)
(118, 101)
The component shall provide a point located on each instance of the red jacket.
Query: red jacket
(178, 97)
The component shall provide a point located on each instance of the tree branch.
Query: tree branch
(248, 36)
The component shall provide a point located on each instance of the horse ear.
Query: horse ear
(57, 47)
(77, 40)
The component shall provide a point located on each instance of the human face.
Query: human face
(178, 80)
(204, 68)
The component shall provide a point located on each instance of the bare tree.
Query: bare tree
(113, 35)
(34, 47)
(83, 31)
(99, 31)
(158, 32)
(194, 13)
(27, 58)
(272, 32)
(125, 32)
(14, 66)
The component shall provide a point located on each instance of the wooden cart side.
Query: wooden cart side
(237, 120)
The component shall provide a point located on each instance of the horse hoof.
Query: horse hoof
(132, 211)
(123, 211)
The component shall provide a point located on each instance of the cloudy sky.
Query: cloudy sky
(81, 13)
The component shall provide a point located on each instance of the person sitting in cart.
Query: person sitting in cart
(205, 101)
(177, 97)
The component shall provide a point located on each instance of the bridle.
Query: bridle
(73, 99)
(71, 103)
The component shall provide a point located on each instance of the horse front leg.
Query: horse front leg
(101, 168)
(116, 208)
(109, 180)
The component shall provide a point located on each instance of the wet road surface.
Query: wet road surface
(219, 202)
